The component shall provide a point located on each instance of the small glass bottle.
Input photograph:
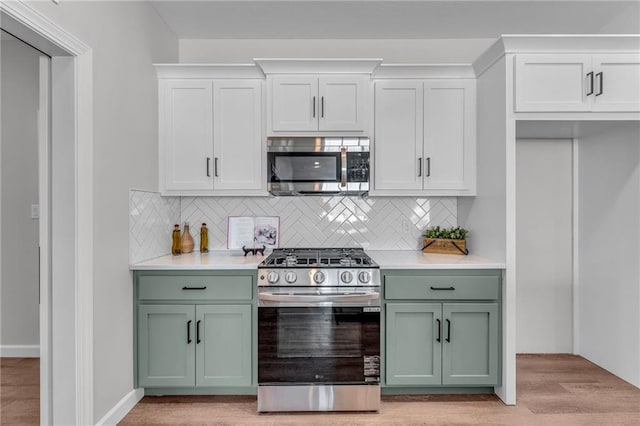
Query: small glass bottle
(176, 244)
(187, 240)
(204, 239)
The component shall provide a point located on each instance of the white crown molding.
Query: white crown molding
(556, 43)
(390, 71)
(317, 66)
(208, 71)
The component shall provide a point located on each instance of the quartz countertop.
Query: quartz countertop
(387, 259)
(214, 260)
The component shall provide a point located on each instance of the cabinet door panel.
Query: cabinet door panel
(412, 352)
(223, 356)
(342, 103)
(237, 137)
(470, 357)
(619, 82)
(398, 135)
(165, 356)
(449, 128)
(552, 82)
(186, 136)
(294, 103)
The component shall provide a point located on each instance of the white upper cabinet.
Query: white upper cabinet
(577, 82)
(186, 135)
(424, 137)
(311, 103)
(211, 137)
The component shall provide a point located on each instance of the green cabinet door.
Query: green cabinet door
(166, 345)
(470, 344)
(223, 345)
(413, 343)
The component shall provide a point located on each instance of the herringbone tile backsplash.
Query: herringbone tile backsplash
(313, 221)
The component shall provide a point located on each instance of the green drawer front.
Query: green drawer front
(185, 287)
(441, 287)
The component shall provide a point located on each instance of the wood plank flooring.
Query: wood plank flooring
(552, 390)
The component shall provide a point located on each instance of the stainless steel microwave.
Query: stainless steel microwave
(320, 166)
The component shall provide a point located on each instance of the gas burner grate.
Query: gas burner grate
(316, 258)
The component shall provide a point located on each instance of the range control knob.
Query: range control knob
(364, 277)
(290, 277)
(273, 277)
(346, 277)
(318, 277)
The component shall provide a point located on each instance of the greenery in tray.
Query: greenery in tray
(456, 233)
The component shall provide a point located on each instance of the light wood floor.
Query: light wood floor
(552, 390)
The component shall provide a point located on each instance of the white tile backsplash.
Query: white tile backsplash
(382, 223)
(151, 220)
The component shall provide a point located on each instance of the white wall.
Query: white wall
(19, 282)
(625, 22)
(441, 51)
(126, 38)
(609, 247)
(544, 216)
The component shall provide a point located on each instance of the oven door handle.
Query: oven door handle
(319, 298)
(343, 167)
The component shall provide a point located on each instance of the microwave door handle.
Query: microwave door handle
(317, 298)
(343, 158)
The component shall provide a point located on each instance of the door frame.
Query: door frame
(38, 30)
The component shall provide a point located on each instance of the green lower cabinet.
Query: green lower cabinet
(223, 354)
(166, 345)
(441, 344)
(194, 345)
(413, 351)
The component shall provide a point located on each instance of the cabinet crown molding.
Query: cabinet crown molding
(390, 71)
(317, 66)
(204, 71)
(556, 43)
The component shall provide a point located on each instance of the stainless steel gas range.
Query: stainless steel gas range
(318, 331)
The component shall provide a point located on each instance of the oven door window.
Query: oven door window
(304, 167)
(318, 345)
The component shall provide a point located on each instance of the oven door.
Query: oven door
(319, 345)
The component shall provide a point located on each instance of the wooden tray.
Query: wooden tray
(445, 246)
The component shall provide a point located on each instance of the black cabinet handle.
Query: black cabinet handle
(188, 332)
(322, 107)
(215, 166)
(590, 75)
(194, 288)
(208, 166)
(443, 288)
(314, 106)
(428, 166)
(439, 330)
(600, 75)
(420, 167)
(198, 332)
(448, 339)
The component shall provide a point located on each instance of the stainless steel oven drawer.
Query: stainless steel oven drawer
(189, 287)
(413, 287)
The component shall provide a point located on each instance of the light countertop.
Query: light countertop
(387, 259)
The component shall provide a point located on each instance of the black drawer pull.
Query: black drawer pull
(439, 331)
(448, 339)
(188, 331)
(194, 288)
(198, 332)
(443, 288)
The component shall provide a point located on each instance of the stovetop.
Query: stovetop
(318, 258)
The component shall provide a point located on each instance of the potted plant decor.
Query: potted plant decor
(443, 240)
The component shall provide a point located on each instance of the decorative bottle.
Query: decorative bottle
(187, 240)
(204, 239)
(176, 244)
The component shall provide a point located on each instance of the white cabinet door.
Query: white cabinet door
(343, 101)
(186, 147)
(398, 135)
(449, 135)
(294, 103)
(617, 82)
(237, 135)
(552, 82)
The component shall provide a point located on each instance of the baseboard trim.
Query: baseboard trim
(20, 351)
(117, 413)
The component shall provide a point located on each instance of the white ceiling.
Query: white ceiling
(375, 19)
